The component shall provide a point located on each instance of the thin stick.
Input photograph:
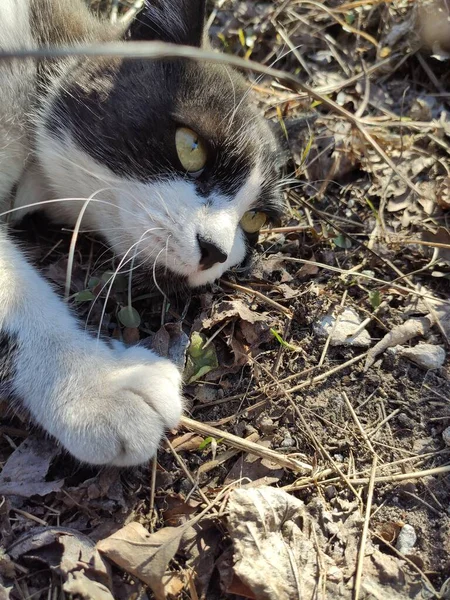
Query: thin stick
(323, 376)
(246, 446)
(358, 423)
(251, 292)
(382, 479)
(365, 530)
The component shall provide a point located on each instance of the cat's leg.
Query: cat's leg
(106, 406)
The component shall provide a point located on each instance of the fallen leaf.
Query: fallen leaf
(131, 335)
(229, 309)
(173, 584)
(200, 546)
(293, 545)
(71, 555)
(441, 236)
(265, 527)
(142, 554)
(253, 471)
(187, 442)
(26, 469)
(177, 509)
(81, 587)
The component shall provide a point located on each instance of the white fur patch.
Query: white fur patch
(157, 221)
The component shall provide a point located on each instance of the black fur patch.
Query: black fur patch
(8, 351)
(126, 115)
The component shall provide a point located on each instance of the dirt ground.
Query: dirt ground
(331, 355)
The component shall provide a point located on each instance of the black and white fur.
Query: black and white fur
(98, 135)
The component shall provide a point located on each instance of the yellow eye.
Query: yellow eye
(253, 221)
(191, 150)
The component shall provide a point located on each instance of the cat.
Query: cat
(166, 159)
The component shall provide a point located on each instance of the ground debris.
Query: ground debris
(268, 528)
(143, 554)
(71, 555)
(342, 327)
(26, 469)
(426, 356)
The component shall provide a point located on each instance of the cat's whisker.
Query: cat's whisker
(110, 281)
(73, 242)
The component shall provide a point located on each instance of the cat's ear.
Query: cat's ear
(176, 21)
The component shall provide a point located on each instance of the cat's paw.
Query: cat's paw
(125, 410)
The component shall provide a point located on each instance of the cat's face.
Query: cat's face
(182, 168)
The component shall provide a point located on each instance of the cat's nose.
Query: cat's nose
(210, 254)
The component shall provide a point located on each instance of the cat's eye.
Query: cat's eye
(191, 150)
(253, 221)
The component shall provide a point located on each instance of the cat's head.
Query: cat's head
(182, 169)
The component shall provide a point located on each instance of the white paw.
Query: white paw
(126, 406)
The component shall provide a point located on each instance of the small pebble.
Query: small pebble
(426, 356)
(406, 539)
(446, 436)
(288, 442)
(342, 335)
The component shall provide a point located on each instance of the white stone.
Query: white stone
(426, 356)
(446, 436)
(343, 335)
(406, 539)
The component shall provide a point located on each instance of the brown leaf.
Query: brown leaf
(131, 335)
(252, 469)
(229, 309)
(187, 442)
(177, 509)
(171, 342)
(68, 553)
(441, 236)
(173, 584)
(25, 470)
(81, 587)
(145, 555)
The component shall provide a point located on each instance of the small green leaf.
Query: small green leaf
(199, 360)
(307, 149)
(208, 441)
(342, 241)
(84, 296)
(242, 38)
(285, 344)
(375, 299)
(350, 18)
(129, 317)
(93, 282)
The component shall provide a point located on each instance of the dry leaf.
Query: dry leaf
(171, 342)
(81, 587)
(25, 470)
(229, 309)
(142, 554)
(265, 526)
(253, 470)
(187, 442)
(177, 510)
(71, 555)
(277, 541)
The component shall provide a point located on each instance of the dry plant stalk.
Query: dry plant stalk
(245, 445)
